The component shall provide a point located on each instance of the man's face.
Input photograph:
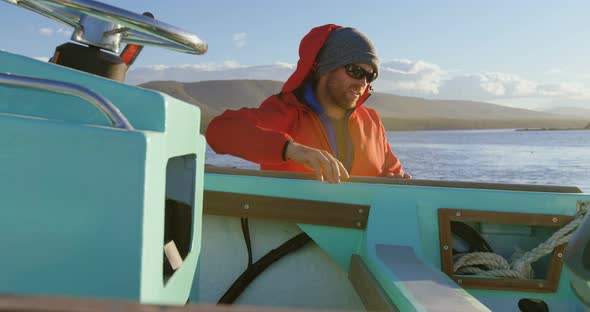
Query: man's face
(343, 90)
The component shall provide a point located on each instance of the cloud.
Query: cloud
(402, 77)
(513, 90)
(240, 39)
(65, 32)
(210, 71)
(231, 64)
(554, 71)
(574, 91)
(409, 77)
(493, 86)
(47, 31)
(405, 77)
(421, 78)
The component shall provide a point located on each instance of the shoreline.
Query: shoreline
(551, 129)
(423, 124)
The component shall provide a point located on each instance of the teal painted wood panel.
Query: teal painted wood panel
(71, 208)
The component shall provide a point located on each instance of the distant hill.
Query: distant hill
(570, 111)
(412, 113)
(215, 96)
(397, 112)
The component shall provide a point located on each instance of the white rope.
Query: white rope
(491, 264)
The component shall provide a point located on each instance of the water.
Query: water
(502, 156)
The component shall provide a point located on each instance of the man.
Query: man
(318, 122)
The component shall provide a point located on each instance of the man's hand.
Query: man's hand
(398, 175)
(326, 166)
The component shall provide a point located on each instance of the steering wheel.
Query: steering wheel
(104, 26)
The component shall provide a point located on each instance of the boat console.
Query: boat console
(97, 177)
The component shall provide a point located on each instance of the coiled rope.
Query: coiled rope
(491, 264)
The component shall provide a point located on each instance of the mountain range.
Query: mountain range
(397, 112)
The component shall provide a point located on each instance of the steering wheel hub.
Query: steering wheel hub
(98, 33)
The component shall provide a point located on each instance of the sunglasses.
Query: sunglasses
(357, 72)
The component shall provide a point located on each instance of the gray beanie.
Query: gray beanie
(346, 46)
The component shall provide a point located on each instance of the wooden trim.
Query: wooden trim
(71, 304)
(368, 288)
(413, 182)
(14, 303)
(286, 209)
(446, 215)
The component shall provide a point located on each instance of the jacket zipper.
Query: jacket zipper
(323, 131)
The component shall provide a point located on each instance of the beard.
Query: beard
(341, 93)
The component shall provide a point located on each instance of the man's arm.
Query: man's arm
(260, 135)
(255, 134)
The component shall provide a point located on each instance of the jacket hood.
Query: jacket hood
(309, 48)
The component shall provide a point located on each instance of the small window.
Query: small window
(179, 208)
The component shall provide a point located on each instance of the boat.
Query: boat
(107, 204)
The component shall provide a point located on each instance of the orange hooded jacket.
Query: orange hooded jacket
(259, 134)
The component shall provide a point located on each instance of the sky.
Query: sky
(527, 54)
